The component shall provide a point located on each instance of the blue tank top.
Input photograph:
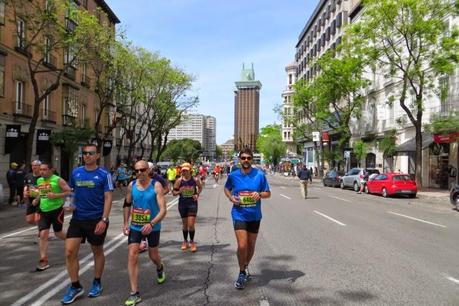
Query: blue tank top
(144, 207)
(188, 189)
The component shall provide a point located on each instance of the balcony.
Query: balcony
(68, 120)
(20, 109)
(85, 81)
(20, 44)
(70, 25)
(70, 72)
(50, 61)
(49, 116)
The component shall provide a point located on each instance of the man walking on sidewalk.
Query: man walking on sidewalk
(304, 175)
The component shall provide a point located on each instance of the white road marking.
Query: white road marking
(416, 219)
(172, 203)
(264, 302)
(452, 279)
(35, 227)
(329, 218)
(341, 199)
(283, 187)
(283, 195)
(108, 248)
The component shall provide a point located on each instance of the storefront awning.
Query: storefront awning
(410, 145)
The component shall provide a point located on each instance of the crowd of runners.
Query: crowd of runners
(88, 196)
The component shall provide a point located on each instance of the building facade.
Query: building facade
(246, 110)
(287, 109)
(198, 127)
(227, 150)
(74, 103)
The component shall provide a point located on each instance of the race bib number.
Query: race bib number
(246, 200)
(187, 192)
(44, 189)
(140, 216)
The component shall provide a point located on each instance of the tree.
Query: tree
(410, 39)
(270, 143)
(182, 149)
(360, 150)
(43, 35)
(218, 152)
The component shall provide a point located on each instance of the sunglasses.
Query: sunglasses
(246, 157)
(89, 153)
(140, 170)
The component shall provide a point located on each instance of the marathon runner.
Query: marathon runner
(217, 172)
(244, 188)
(171, 174)
(203, 174)
(52, 190)
(146, 206)
(93, 188)
(31, 192)
(189, 189)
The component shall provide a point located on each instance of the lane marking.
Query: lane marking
(329, 218)
(416, 219)
(283, 195)
(283, 187)
(456, 281)
(107, 250)
(264, 302)
(34, 227)
(341, 199)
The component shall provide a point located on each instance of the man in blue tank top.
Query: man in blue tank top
(244, 188)
(146, 207)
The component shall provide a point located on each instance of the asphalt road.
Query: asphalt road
(334, 248)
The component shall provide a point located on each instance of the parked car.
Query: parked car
(333, 178)
(354, 176)
(388, 184)
(164, 166)
(454, 196)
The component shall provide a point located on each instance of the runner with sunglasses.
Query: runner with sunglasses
(146, 207)
(93, 188)
(244, 188)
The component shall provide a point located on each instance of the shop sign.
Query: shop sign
(325, 137)
(446, 138)
(315, 136)
(13, 131)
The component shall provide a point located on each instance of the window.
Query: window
(290, 79)
(85, 3)
(46, 107)
(47, 57)
(19, 95)
(20, 30)
(339, 20)
(2, 75)
(2, 11)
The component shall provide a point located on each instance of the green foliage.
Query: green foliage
(70, 138)
(360, 150)
(182, 149)
(219, 152)
(270, 143)
(444, 125)
(388, 144)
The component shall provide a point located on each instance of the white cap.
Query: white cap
(150, 165)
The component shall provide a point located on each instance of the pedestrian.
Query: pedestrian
(145, 208)
(121, 176)
(304, 175)
(244, 188)
(20, 178)
(310, 174)
(31, 192)
(363, 180)
(52, 190)
(12, 183)
(189, 189)
(93, 188)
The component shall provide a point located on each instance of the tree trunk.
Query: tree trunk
(418, 172)
(31, 135)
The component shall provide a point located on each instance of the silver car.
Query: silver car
(353, 178)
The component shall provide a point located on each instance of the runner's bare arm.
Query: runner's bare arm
(65, 190)
(176, 190)
(161, 203)
(229, 195)
(199, 185)
(127, 209)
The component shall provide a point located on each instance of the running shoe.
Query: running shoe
(161, 275)
(184, 246)
(193, 247)
(241, 281)
(96, 289)
(42, 264)
(133, 299)
(247, 273)
(71, 295)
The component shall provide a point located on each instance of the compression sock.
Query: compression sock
(192, 235)
(185, 235)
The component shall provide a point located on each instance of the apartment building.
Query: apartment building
(72, 104)
(287, 109)
(198, 127)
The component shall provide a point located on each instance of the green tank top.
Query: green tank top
(49, 185)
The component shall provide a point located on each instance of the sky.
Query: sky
(211, 39)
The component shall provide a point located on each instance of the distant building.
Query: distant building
(227, 149)
(287, 109)
(197, 127)
(246, 110)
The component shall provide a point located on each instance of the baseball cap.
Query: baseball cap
(186, 166)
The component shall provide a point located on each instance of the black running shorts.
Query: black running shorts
(53, 217)
(30, 209)
(188, 210)
(84, 229)
(249, 226)
(136, 237)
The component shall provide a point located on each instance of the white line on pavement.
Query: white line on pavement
(452, 279)
(416, 219)
(283, 195)
(283, 187)
(108, 249)
(329, 218)
(341, 199)
(264, 302)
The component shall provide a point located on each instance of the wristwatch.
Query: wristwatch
(105, 220)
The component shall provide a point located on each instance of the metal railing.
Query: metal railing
(70, 25)
(50, 60)
(68, 120)
(70, 72)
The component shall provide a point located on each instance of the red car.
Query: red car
(389, 184)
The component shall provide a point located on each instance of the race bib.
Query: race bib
(140, 216)
(44, 189)
(246, 200)
(188, 191)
